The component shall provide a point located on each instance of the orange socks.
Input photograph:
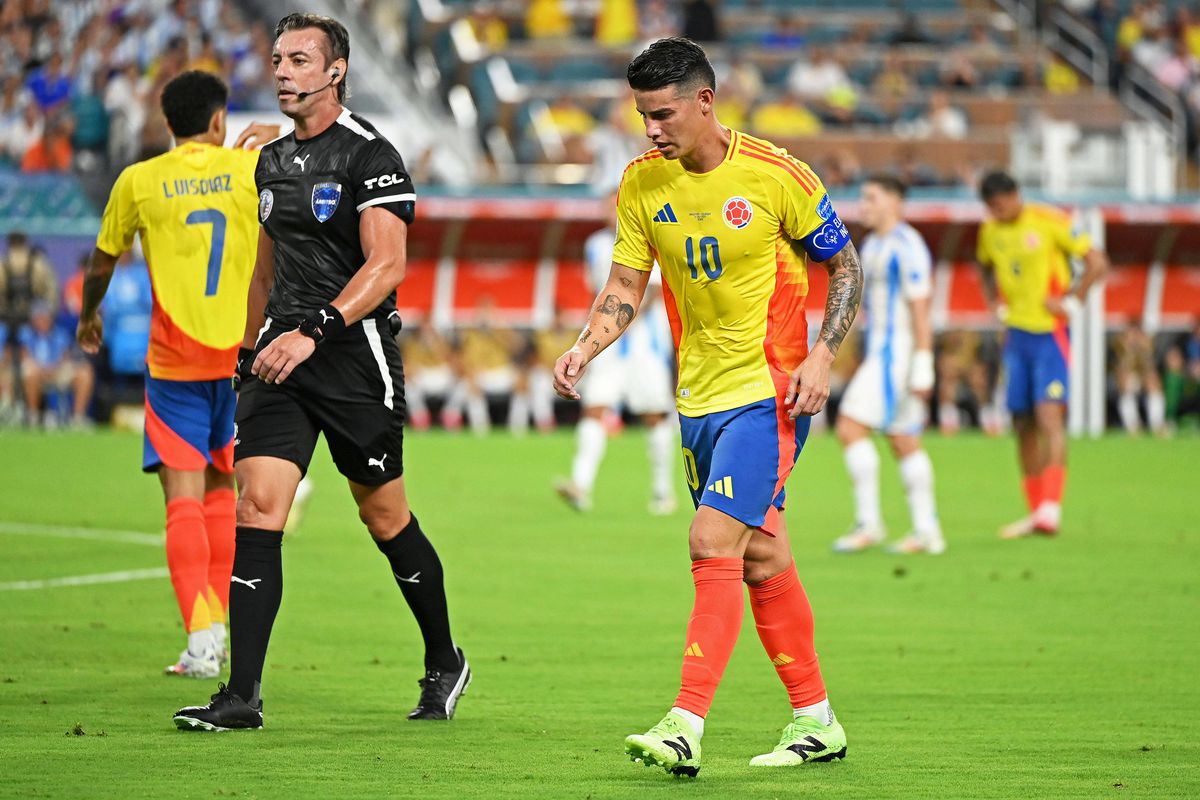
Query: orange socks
(187, 559)
(220, 522)
(1053, 480)
(712, 630)
(1033, 491)
(784, 620)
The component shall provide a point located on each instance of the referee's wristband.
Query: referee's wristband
(322, 324)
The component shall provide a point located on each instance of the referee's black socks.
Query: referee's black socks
(254, 594)
(418, 573)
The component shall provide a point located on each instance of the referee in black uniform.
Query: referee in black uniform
(335, 203)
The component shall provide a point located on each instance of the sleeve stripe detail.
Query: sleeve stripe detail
(391, 198)
(346, 121)
(778, 153)
(809, 187)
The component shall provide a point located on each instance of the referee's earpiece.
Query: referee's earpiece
(336, 73)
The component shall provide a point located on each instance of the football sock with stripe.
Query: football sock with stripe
(784, 620)
(418, 572)
(1032, 485)
(220, 522)
(255, 591)
(862, 462)
(187, 561)
(712, 630)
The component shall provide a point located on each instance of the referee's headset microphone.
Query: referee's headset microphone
(333, 77)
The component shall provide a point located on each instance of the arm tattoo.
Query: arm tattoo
(625, 314)
(587, 334)
(609, 306)
(845, 293)
(626, 282)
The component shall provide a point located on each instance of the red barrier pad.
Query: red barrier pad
(509, 285)
(414, 298)
(1181, 295)
(1125, 292)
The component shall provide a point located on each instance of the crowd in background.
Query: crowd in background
(484, 373)
(81, 79)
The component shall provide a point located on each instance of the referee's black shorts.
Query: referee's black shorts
(351, 389)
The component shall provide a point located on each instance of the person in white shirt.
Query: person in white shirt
(890, 391)
(637, 374)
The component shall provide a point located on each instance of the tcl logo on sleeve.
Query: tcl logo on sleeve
(383, 181)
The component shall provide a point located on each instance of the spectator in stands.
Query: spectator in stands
(1182, 382)
(616, 141)
(1060, 77)
(784, 117)
(1137, 373)
(786, 34)
(980, 43)
(941, 120)
(842, 169)
(814, 78)
(959, 72)
(910, 32)
(20, 122)
(48, 364)
(125, 99)
(208, 59)
(490, 29)
(964, 368)
(658, 20)
(616, 23)
(430, 371)
(893, 81)
(488, 352)
(547, 19)
(53, 151)
(50, 85)
(571, 123)
(1179, 69)
(89, 138)
(26, 278)
(701, 22)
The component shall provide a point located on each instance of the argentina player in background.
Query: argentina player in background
(890, 391)
(318, 357)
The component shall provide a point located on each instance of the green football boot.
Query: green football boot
(803, 741)
(671, 744)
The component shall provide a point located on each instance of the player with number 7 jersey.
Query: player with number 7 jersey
(194, 209)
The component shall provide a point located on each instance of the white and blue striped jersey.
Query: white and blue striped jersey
(897, 269)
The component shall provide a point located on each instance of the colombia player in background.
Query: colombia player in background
(195, 210)
(1023, 251)
(732, 221)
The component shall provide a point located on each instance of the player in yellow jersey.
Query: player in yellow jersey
(195, 209)
(1023, 251)
(733, 222)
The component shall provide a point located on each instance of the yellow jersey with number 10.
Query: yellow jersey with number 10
(733, 245)
(1029, 258)
(196, 211)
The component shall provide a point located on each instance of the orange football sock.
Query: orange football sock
(1033, 491)
(784, 620)
(1053, 480)
(187, 559)
(712, 630)
(220, 521)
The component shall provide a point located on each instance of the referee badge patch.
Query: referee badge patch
(266, 201)
(325, 198)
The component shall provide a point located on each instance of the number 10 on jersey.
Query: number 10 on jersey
(710, 256)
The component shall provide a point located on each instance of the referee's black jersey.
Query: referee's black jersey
(310, 196)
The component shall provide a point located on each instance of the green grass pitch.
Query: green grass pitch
(1029, 669)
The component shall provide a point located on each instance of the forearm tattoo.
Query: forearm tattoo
(612, 306)
(845, 293)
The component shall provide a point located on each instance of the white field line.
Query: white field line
(87, 580)
(75, 532)
(97, 534)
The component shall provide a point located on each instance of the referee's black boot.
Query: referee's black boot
(224, 712)
(440, 691)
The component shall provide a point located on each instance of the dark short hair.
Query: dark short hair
(190, 100)
(996, 183)
(337, 39)
(671, 62)
(889, 183)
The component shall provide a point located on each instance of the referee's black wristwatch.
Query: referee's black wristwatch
(325, 322)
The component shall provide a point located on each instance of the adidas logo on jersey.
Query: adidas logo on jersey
(724, 486)
(666, 214)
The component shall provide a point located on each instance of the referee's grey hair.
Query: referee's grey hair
(337, 40)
